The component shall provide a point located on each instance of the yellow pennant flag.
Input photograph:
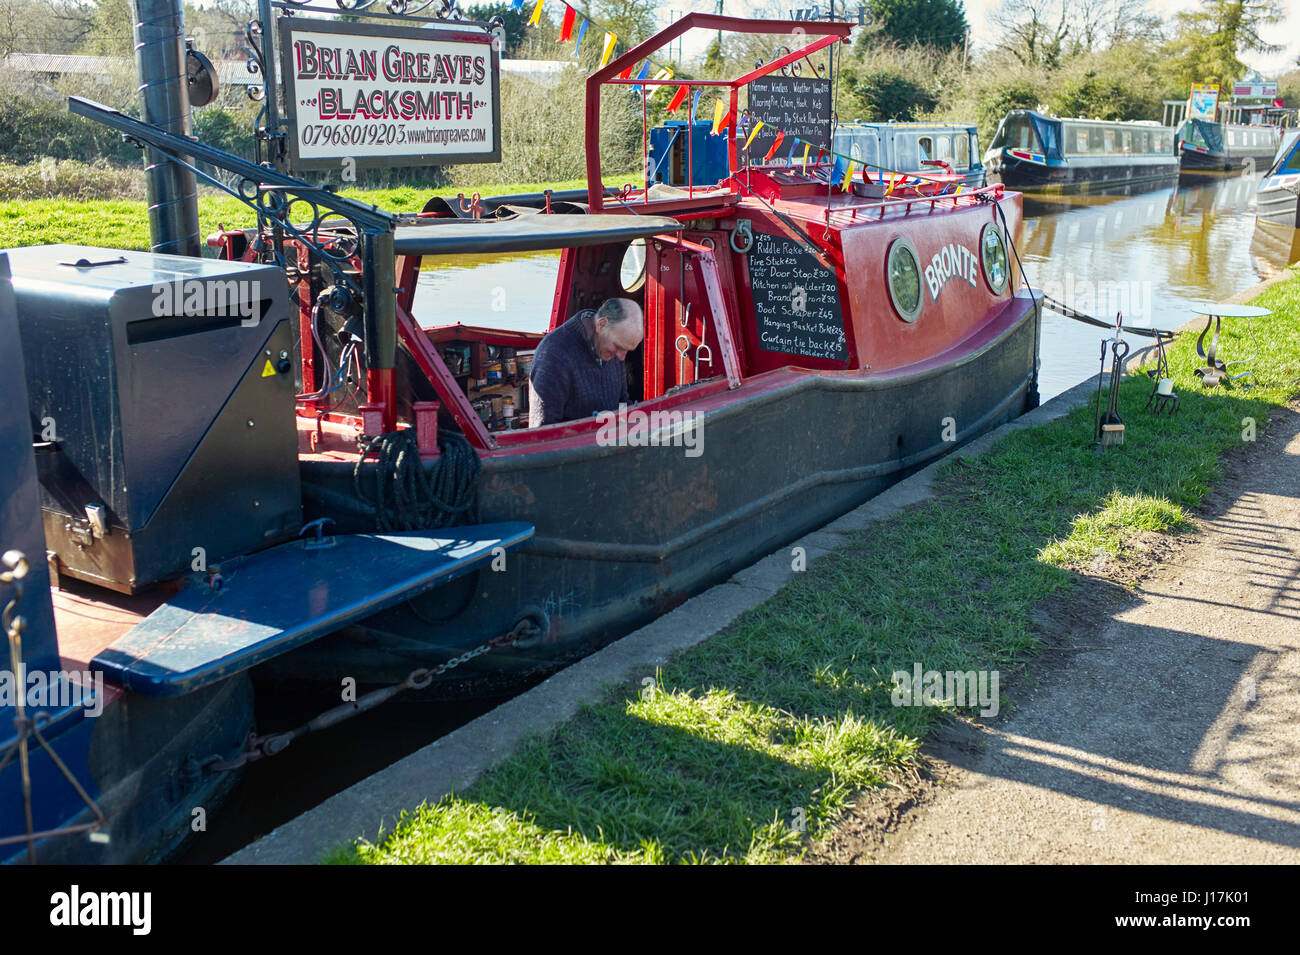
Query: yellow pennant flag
(806, 147)
(610, 40)
(958, 192)
(537, 14)
(719, 114)
(663, 74)
(848, 176)
(754, 132)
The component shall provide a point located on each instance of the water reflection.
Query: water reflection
(492, 291)
(1149, 255)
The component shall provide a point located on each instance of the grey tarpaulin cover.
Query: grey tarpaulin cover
(525, 233)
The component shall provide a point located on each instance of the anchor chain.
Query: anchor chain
(1063, 309)
(259, 747)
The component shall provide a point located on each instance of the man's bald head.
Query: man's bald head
(619, 328)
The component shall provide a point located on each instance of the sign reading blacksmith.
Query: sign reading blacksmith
(381, 95)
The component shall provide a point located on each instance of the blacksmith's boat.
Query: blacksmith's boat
(285, 477)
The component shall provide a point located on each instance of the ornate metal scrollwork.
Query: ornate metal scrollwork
(256, 64)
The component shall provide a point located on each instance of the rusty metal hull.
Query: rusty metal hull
(626, 533)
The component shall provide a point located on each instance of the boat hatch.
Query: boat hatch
(278, 599)
(526, 232)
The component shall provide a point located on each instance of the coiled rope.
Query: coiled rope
(408, 495)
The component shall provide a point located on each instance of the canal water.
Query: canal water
(1151, 256)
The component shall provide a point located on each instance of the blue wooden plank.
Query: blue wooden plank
(283, 597)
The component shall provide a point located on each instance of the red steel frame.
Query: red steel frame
(827, 32)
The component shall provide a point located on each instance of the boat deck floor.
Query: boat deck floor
(88, 619)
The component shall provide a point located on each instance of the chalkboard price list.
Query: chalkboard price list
(796, 300)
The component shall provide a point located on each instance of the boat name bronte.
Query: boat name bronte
(953, 260)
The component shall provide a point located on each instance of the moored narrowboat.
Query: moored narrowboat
(1046, 154)
(807, 343)
(918, 148)
(1207, 148)
(1278, 197)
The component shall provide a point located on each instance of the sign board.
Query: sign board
(381, 95)
(799, 106)
(1203, 101)
(1260, 90)
(796, 300)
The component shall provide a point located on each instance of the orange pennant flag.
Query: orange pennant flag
(776, 143)
(566, 25)
(678, 98)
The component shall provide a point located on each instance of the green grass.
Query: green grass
(125, 224)
(787, 713)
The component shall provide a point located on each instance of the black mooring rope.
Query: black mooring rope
(409, 495)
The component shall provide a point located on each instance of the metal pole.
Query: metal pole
(159, 31)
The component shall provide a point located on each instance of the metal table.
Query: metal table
(1215, 370)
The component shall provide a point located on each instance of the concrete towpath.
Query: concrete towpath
(1172, 735)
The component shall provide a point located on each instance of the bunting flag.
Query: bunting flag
(837, 170)
(695, 101)
(678, 98)
(776, 144)
(720, 114)
(537, 14)
(890, 189)
(626, 73)
(566, 25)
(516, 5)
(754, 132)
(806, 148)
(582, 31)
(645, 71)
(848, 177)
(610, 40)
(789, 160)
(664, 74)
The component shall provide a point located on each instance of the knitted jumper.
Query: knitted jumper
(567, 381)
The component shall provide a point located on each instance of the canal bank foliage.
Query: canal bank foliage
(1110, 59)
(750, 746)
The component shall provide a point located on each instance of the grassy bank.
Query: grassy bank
(124, 224)
(787, 715)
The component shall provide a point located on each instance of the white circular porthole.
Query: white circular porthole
(632, 271)
(903, 276)
(993, 258)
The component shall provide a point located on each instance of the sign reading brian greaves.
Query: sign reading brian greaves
(383, 95)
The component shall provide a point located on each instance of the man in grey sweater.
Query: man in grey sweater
(578, 369)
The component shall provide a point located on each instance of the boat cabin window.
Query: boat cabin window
(1016, 132)
(1080, 139)
(925, 149)
(943, 147)
(1108, 141)
(1126, 137)
(961, 152)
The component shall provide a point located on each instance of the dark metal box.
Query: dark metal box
(161, 394)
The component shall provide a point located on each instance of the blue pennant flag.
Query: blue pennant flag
(517, 5)
(789, 160)
(645, 71)
(694, 103)
(582, 30)
(837, 170)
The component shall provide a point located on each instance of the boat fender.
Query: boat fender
(742, 237)
(540, 619)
